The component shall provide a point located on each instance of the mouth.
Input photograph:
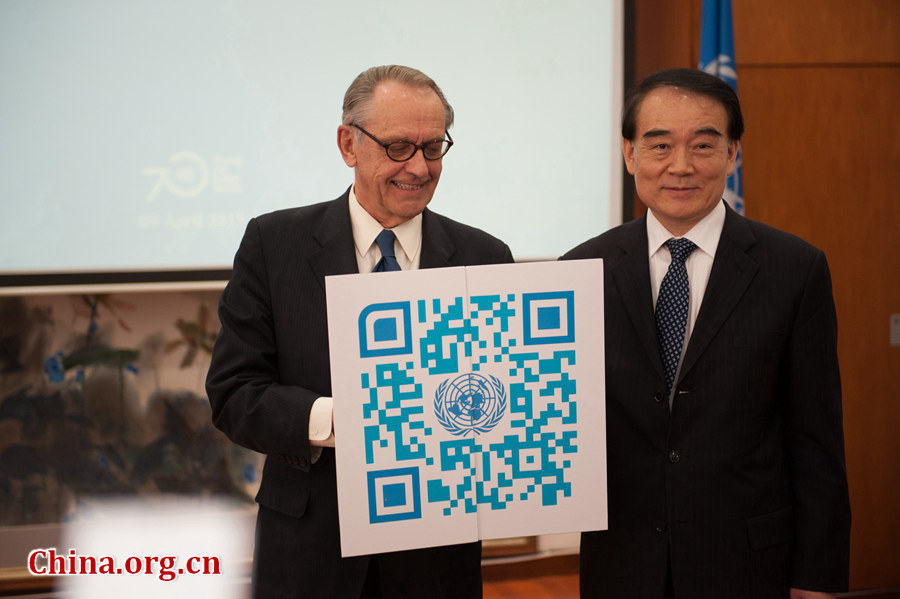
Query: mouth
(407, 186)
(680, 191)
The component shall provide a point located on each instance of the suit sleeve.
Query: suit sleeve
(248, 401)
(815, 441)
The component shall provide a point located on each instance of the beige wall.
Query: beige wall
(819, 82)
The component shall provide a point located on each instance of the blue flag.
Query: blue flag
(717, 58)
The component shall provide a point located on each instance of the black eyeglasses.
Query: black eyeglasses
(401, 151)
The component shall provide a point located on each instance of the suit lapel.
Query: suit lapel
(437, 247)
(630, 274)
(732, 271)
(334, 235)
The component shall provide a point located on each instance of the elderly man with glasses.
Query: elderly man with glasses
(269, 381)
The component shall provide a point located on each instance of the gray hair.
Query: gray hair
(358, 96)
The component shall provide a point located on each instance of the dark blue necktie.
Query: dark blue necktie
(672, 307)
(385, 241)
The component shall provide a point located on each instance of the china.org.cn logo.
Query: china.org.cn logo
(188, 175)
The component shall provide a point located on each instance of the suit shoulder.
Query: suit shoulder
(459, 230)
(292, 218)
(478, 245)
(781, 243)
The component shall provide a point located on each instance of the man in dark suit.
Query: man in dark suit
(269, 382)
(724, 428)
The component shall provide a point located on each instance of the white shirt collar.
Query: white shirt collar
(705, 234)
(366, 229)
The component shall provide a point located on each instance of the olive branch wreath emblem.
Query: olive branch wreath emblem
(490, 418)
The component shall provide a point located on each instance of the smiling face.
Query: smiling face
(394, 192)
(680, 156)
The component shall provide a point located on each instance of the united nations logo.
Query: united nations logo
(470, 403)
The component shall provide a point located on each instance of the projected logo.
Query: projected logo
(394, 495)
(548, 317)
(385, 330)
(188, 175)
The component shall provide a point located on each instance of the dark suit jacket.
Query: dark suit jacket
(743, 484)
(271, 362)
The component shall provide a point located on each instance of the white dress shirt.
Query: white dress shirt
(365, 229)
(407, 246)
(705, 235)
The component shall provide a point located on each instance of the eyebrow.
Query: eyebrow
(407, 141)
(653, 133)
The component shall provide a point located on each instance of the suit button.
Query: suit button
(660, 527)
(659, 397)
(674, 456)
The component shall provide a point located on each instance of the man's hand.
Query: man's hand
(801, 594)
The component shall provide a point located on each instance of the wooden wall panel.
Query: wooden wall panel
(817, 31)
(819, 148)
(663, 31)
(821, 158)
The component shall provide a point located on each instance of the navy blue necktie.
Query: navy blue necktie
(672, 307)
(385, 241)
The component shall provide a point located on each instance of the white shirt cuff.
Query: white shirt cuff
(320, 418)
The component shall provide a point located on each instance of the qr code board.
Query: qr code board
(468, 403)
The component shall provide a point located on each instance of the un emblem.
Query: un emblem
(470, 403)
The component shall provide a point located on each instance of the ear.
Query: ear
(733, 148)
(628, 154)
(347, 145)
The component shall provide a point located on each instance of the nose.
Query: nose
(681, 163)
(417, 165)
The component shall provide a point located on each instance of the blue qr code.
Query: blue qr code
(528, 338)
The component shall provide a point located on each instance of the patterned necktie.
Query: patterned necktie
(672, 307)
(385, 241)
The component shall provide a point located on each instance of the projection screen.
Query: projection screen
(142, 135)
